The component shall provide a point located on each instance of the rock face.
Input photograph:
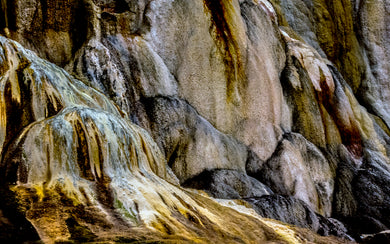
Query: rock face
(192, 121)
(228, 184)
(299, 169)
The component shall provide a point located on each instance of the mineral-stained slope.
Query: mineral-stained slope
(194, 121)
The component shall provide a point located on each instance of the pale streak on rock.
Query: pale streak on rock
(269, 9)
(53, 88)
(315, 65)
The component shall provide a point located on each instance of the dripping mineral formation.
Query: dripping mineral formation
(214, 121)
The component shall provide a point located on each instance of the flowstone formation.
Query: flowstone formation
(227, 121)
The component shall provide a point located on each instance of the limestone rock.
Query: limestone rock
(53, 29)
(80, 171)
(296, 212)
(191, 144)
(371, 19)
(331, 226)
(228, 184)
(286, 209)
(214, 49)
(202, 93)
(35, 89)
(86, 173)
(299, 169)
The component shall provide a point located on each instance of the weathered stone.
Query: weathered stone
(296, 212)
(293, 93)
(329, 28)
(85, 173)
(331, 226)
(373, 30)
(382, 237)
(299, 169)
(228, 184)
(36, 89)
(286, 209)
(191, 144)
(214, 49)
(53, 29)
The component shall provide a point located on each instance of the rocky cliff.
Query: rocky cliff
(214, 121)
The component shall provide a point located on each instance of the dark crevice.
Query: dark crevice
(82, 152)
(174, 155)
(15, 228)
(79, 28)
(9, 15)
(52, 109)
(118, 6)
(99, 147)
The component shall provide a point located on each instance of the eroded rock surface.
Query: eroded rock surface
(152, 99)
(228, 184)
(299, 169)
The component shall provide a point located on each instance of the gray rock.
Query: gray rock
(371, 188)
(191, 144)
(228, 184)
(294, 93)
(286, 209)
(296, 212)
(299, 169)
(373, 30)
(331, 226)
(344, 202)
(81, 171)
(361, 194)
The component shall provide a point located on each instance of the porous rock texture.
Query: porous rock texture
(194, 121)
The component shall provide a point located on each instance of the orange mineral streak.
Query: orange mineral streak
(229, 38)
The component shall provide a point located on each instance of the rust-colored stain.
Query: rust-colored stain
(226, 41)
(348, 129)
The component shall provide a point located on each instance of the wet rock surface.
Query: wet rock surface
(145, 117)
